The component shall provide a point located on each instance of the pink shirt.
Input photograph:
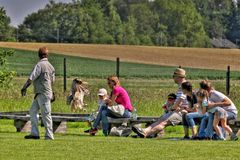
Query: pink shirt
(122, 97)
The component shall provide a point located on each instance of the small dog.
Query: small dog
(78, 91)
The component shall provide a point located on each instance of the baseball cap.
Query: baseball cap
(102, 92)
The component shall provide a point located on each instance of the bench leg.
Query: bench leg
(22, 126)
(60, 127)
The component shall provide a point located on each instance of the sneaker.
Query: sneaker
(221, 139)
(186, 138)
(31, 137)
(195, 138)
(93, 131)
(234, 137)
(139, 131)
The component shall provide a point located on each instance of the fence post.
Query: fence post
(64, 75)
(228, 81)
(118, 67)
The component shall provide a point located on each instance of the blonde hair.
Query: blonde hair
(114, 79)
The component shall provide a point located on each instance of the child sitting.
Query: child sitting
(169, 103)
(221, 116)
(102, 96)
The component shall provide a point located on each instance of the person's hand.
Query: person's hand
(23, 91)
(184, 111)
(108, 102)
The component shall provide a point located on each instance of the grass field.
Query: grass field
(76, 145)
(148, 86)
(87, 67)
(166, 56)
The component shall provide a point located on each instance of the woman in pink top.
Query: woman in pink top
(118, 98)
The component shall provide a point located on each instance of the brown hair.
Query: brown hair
(43, 52)
(202, 94)
(114, 79)
(206, 85)
(187, 86)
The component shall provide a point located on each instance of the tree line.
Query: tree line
(183, 23)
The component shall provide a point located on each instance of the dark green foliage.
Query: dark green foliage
(6, 31)
(181, 23)
(5, 74)
(175, 23)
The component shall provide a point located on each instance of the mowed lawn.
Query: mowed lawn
(205, 58)
(76, 145)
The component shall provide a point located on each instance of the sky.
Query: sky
(17, 10)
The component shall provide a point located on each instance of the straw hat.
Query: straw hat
(179, 72)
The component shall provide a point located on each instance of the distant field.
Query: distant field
(166, 56)
(23, 62)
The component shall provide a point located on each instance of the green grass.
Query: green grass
(76, 145)
(23, 62)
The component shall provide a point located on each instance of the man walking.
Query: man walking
(42, 77)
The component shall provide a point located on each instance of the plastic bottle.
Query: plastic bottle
(134, 113)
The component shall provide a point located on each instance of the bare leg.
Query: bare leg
(194, 131)
(155, 128)
(225, 126)
(215, 125)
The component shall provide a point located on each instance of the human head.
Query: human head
(43, 52)
(201, 95)
(206, 85)
(172, 97)
(179, 75)
(113, 81)
(102, 93)
(187, 88)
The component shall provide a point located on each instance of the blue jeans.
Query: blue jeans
(206, 126)
(191, 116)
(103, 113)
(203, 126)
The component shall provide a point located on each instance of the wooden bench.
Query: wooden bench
(22, 120)
(23, 124)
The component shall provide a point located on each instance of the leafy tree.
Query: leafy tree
(5, 74)
(6, 31)
(233, 32)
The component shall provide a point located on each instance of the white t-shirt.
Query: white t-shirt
(180, 95)
(216, 97)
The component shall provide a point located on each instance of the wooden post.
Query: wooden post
(64, 75)
(118, 67)
(228, 81)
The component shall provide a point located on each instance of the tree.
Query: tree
(214, 14)
(6, 31)
(5, 74)
(233, 32)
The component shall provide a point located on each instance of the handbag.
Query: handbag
(117, 110)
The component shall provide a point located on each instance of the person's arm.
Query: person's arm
(25, 86)
(176, 105)
(224, 103)
(34, 75)
(111, 100)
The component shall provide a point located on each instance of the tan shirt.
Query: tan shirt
(43, 75)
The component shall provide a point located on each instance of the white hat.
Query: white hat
(102, 92)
